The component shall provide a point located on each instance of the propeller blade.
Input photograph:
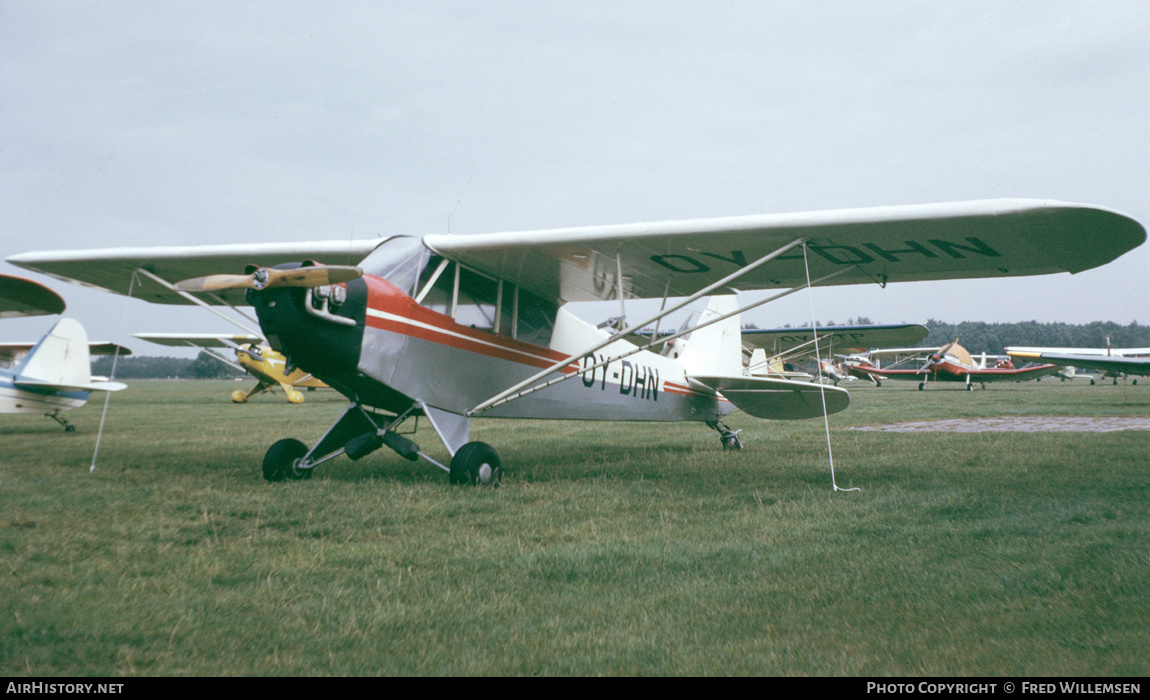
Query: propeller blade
(264, 277)
(215, 283)
(313, 276)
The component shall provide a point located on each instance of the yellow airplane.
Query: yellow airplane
(252, 356)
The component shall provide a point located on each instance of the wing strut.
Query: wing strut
(519, 391)
(490, 403)
(161, 281)
(819, 366)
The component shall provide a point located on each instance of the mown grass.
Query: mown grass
(615, 549)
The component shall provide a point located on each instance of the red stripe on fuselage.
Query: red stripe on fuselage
(408, 318)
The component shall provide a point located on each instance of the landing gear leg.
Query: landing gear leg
(68, 427)
(729, 438)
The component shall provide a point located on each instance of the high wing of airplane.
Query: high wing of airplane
(451, 327)
(23, 297)
(1110, 361)
(253, 355)
(953, 363)
(776, 351)
(54, 375)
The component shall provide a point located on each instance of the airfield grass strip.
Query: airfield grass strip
(610, 549)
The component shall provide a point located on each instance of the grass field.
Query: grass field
(613, 549)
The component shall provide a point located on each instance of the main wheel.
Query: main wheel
(476, 463)
(281, 459)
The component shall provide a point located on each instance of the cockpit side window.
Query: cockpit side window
(484, 303)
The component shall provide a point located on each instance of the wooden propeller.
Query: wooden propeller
(265, 277)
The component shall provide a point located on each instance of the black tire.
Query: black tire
(476, 464)
(280, 460)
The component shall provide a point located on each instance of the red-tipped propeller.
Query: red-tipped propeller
(265, 277)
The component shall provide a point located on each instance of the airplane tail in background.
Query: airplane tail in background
(62, 361)
(716, 350)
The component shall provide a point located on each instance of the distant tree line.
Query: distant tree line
(978, 337)
(144, 367)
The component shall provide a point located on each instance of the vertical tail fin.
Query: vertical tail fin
(716, 350)
(60, 358)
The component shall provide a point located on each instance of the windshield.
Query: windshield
(398, 260)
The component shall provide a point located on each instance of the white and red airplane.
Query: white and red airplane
(450, 327)
(54, 374)
(952, 363)
(1110, 361)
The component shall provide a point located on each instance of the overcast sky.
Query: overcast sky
(154, 123)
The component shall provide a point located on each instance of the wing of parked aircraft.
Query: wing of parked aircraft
(1113, 363)
(992, 238)
(22, 297)
(12, 353)
(838, 338)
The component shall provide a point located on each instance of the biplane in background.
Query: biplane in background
(450, 327)
(1111, 362)
(780, 352)
(949, 363)
(54, 374)
(253, 356)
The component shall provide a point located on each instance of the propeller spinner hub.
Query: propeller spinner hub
(260, 278)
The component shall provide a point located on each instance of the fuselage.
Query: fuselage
(381, 348)
(41, 401)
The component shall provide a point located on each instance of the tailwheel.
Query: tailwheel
(477, 464)
(729, 438)
(282, 461)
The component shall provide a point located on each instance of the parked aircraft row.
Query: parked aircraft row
(447, 328)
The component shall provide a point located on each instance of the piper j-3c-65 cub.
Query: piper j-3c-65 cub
(449, 327)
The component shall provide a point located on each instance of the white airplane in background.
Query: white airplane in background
(451, 327)
(1110, 361)
(55, 374)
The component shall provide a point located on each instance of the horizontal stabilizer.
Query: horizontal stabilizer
(94, 385)
(778, 399)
